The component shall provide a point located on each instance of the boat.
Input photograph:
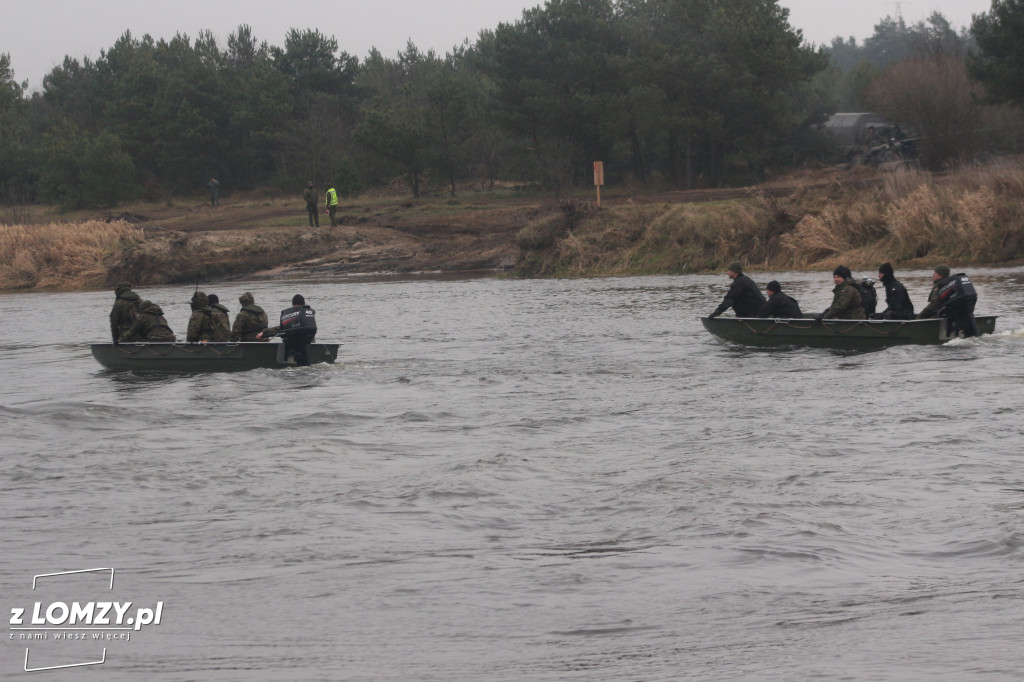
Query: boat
(203, 357)
(838, 334)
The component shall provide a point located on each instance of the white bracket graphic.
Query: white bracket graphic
(70, 665)
(87, 570)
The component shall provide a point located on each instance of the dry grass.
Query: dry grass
(972, 216)
(62, 255)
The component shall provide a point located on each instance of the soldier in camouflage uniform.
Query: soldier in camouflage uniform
(221, 322)
(149, 326)
(250, 321)
(125, 310)
(200, 325)
(846, 300)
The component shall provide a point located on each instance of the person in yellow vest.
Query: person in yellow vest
(332, 204)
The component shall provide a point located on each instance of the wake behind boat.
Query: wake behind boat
(203, 357)
(838, 334)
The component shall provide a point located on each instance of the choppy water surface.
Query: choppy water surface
(541, 480)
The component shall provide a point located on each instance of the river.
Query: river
(507, 479)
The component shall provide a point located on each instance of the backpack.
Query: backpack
(868, 297)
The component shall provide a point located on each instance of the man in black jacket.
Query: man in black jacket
(897, 300)
(744, 297)
(779, 305)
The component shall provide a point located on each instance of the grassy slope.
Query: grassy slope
(812, 220)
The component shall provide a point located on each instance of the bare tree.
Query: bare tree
(934, 97)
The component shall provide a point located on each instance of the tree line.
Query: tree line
(681, 92)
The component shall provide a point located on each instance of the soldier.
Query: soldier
(298, 328)
(940, 276)
(779, 305)
(219, 317)
(149, 326)
(897, 300)
(847, 303)
(249, 321)
(125, 310)
(953, 297)
(200, 325)
(311, 205)
(743, 296)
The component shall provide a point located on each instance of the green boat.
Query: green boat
(839, 334)
(203, 357)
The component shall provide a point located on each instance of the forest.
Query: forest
(667, 93)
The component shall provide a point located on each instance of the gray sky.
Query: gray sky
(38, 34)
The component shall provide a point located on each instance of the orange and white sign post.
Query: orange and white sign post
(598, 179)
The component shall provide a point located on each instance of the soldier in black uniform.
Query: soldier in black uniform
(897, 300)
(779, 305)
(743, 296)
(297, 328)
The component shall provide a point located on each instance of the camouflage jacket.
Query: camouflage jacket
(149, 326)
(123, 314)
(200, 326)
(311, 199)
(846, 303)
(249, 322)
(221, 323)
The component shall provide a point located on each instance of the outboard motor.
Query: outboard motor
(958, 298)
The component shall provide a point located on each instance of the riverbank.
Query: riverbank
(810, 220)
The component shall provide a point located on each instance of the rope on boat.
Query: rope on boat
(831, 327)
(170, 349)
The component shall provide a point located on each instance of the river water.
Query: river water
(535, 480)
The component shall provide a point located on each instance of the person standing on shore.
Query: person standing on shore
(311, 205)
(332, 204)
(214, 188)
(743, 296)
(125, 310)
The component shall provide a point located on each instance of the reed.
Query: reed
(972, 216)
(62, 255)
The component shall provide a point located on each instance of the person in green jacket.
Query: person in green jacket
(200, 325)
(125, 310)
(846, 299)
(249, 321)
(219, 318)
(332, 204)
(311, 205)
(149, 326)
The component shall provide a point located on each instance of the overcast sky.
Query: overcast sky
(37, 35)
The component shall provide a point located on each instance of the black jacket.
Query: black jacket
(744, 297)
(897, 301)
(780, 306)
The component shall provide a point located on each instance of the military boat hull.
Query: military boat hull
(203, 357)
(839, 334)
